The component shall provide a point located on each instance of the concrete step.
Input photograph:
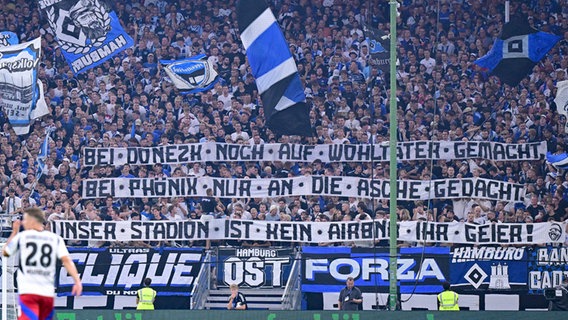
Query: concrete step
(257, 299)
(224, 298)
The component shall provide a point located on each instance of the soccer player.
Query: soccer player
(39, 251)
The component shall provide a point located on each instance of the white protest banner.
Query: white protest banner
(414, 150)
(477, 188)
(21, 91)
(310, 232)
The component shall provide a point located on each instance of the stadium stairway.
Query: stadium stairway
(257, 299)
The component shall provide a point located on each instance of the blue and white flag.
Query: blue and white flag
(379, 47)
(8, 38)
(87, 31)
(560, 161)
(274, 68)
(42, 156)
(191, 75)
(21, 92)
(519, 48)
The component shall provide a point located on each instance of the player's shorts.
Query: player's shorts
(35, 307)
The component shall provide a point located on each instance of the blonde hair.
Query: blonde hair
(37, 214)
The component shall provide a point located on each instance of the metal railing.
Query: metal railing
(292, 296)
(202, 284)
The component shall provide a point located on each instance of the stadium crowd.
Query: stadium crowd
(441, 95)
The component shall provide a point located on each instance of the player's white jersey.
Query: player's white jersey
(38, 255)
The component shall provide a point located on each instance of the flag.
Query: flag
(274, 68)
(21, 92)
(519, 48)
(8, 38)
(43, 153)
(560, 161)
(192, 75)
(379, 47)
(87, 31)
(561, 99)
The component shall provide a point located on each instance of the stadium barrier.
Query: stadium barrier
(299, 315)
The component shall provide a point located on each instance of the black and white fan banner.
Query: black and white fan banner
(477, 188)
(310, 232)
(414, 150)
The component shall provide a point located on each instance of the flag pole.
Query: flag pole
(393, 290)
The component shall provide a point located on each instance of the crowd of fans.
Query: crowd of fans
(441, 95)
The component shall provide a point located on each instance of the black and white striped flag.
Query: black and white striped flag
(274, 68)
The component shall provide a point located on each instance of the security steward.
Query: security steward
(447, 299)
(145, 297)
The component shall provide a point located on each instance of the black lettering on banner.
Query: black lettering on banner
(467, 188)
(237, 229)
(469, 230)
(453, 189)
(493, 233)
(335, 152)
(435, 232)
(183, 151)
(280, 187)
(144, 155)
(231, 188)
(524, 150)
(381, 229)
(289, 231)
(403, 150)
(323, 185)
(501, 152)
(350, 151)
(228, 152)
(136, 233)
(435, 150)
(95, 231)
(374, 188)
(89, 157)
(493, 188)
(480, 188)
(157, 154)
(110, 231)
(105, 188)
(171, 154)
(84, 232)
(460, 150)
(422, 150)
(484, 150)
(90, 188)
(411, 189)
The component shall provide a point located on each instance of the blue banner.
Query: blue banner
(88, 31)
(121, 271)
(8, 38)
(325, 269)
(547, 266)
(254, 267)
(489, 268)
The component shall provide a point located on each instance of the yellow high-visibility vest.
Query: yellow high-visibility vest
(146, 299)
(448, 301)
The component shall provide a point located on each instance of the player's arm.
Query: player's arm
(72, 270)
(15, 229)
